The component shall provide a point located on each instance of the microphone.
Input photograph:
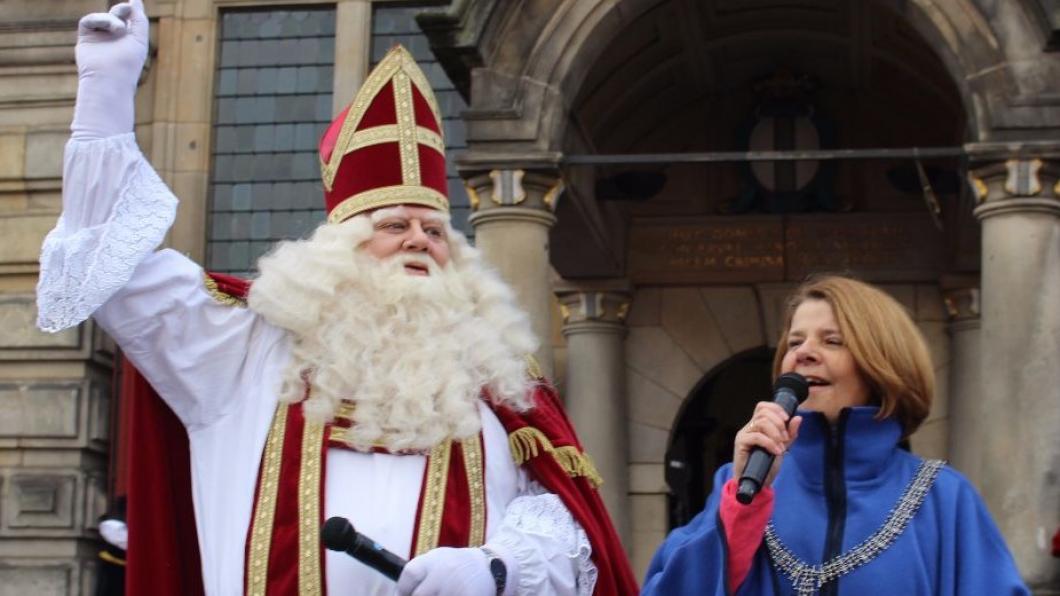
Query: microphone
(338, 534)
(789, 391)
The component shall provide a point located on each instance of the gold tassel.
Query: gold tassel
(577, 463)
(525, 442)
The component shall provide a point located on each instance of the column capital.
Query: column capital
(512, 214)
(597, 308)
(962, 307)
(513, 187)
(1016, 185)
(960, 297)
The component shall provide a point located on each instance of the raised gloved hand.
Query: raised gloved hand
(111, 50)
(448, 571)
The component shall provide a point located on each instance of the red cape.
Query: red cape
(163, 553)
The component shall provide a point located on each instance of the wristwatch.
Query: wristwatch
(498, 569)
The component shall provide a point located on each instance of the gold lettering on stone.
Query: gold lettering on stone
(669, 251)
(878, 247)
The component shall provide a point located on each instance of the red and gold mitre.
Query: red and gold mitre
(386, 147)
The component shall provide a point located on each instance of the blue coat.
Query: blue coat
(835, 489)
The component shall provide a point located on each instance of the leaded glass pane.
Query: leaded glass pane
(241, 197)
(283, 137)
(274, 74)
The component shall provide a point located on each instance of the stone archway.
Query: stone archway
(703, 433)
(676, 337)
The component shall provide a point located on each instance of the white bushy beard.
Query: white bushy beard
(412, 353)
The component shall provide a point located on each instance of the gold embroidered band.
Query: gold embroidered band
(265, 508)
(309, 569)
(388, 195)
(476, 488)
(406, 124)
(388, 133)
(433, 498)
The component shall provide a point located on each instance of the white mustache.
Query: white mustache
(418, 259)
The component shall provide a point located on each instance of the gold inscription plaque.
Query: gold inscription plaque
(876, 247)
(698, 249)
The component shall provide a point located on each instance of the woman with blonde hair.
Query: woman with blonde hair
(844, 510)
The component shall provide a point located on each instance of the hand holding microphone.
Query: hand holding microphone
(464, 571)
(338, 534)
(767, 436)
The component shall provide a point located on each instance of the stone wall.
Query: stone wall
(54, 389)
(55, 395)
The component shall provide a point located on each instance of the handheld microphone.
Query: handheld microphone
(338, 534)
(789, 391)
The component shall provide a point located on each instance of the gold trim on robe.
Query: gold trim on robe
(433, 498)
(220, 296)
(476, 488)
(309, 491)
(309, 500)
(265, 508)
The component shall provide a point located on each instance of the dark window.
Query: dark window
(272, 102)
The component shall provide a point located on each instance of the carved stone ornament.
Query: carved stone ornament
(1023, 178)
(507, 187)
(962, 303)
(593, 306)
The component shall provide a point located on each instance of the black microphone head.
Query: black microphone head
(796, 383)
(747, 490)
(337, 534)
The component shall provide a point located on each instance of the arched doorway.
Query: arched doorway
(704, 429)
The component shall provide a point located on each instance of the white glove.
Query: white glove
(453, 571)
(115, 532)
(111, 50)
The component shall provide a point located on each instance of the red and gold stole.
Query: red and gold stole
(284, 552)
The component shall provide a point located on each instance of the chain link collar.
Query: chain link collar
(808, 579)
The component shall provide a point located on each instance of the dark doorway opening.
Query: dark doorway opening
(706, 426)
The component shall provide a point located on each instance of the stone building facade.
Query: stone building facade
(658, 284)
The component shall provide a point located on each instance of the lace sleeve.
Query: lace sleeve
(551, 550)
(116, 211)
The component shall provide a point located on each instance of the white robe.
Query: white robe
(218, 367)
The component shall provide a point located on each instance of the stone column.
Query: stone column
(1020, 342)
(353, 49)
(512, 217)
(595, 329)
(967, 420)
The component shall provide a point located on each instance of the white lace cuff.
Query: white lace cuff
(542, 538)
(116, 211)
